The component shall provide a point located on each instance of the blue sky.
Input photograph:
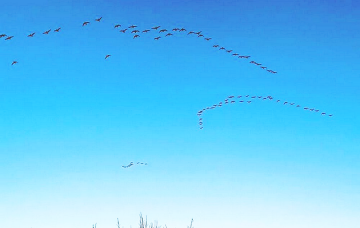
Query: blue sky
(69, 119)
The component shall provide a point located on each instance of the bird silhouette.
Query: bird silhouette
(9, 37)
(31, 35)
(117, 26)
(85, 23)
(14, 62)
(107, 56)
(2, 35)
(135, 36)
(157, 38)
(156, 27)
(99, 19)
(47, 32)
(57, 30)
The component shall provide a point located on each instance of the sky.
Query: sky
(70, 119)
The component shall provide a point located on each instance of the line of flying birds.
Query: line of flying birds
(230, 100)
(156, 28)
(132, 163)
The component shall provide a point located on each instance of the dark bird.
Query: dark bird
(133, 26)
(9, 37)
(157, 38)
(47, 32)
(207, 39)
(14, 62)
(146, 30)
(117, 26)
(263, 67)
(99, 19)
(2, 35)
(135, 31)
(86, 23)
(162, 30)
(31, 35)
(156, 27)
(169, 34)
(330, 115)
(191, 32)
(107, 56)
(222, 48)
(235, 54)
(197, 33)
(57, 30)
(136, 36)
(215, 46)
(323, 113)
(200, 35)
(182, 30)
(123, 30)
(175, 29)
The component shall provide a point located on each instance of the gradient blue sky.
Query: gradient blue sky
(70, 119)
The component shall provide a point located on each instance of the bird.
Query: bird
(157, 38)
(146, 30)
(182, 30)
(169, 34)
(215, 46)
(133, 26)
(235, 54)
(117, 26)
(200, 35)
(135, 36)
(197, 33)
(9, 37)
(207, 39)
(31, 35)
(330, 115)
(162, 30)
(123, 30)
(99, 19)
(85, 23)
(222, 48)
(2, 35)
(57, 30)
(14, 62)
(156, 27)
(263, 67)
(175, 29)
(47, 32)
(107, 56)
(190, 32)
(135, 31)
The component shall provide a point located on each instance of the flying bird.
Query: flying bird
(157, 38)
(215, 46)
(117, 26)
(31, 35)
(2, 35)
(107, 56)
(162, 30)
(9, 37)
(146, 30)
(133, 26)
(14, 62)
(99, 19)
(182, 30)
(190, 32)
(207, 39)
(123, 31)
(135, 31)
(47, 32)
(156, 27)
(169, 34)
(57, 30)
(85, 23)
(136, 36)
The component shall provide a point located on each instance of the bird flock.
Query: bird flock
(247, 99)
(132, 163)
(159, 34)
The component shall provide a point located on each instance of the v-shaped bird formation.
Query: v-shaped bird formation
(132, 163)
(248, 99)
(159, 33)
